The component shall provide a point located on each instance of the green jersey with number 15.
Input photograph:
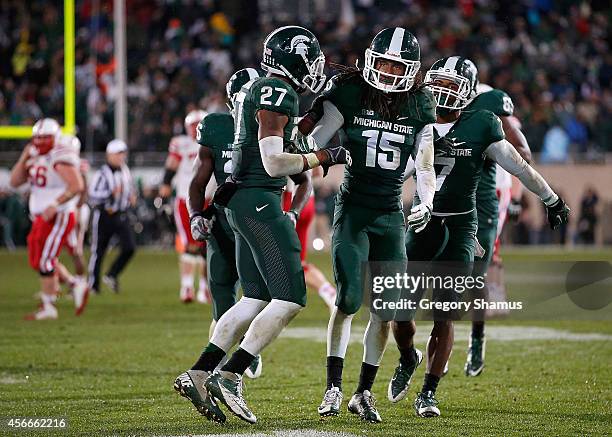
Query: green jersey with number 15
(379, 147)
(271, 94)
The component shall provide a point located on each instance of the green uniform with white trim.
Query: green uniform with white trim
(267, 246)
(450, 236)
(499, 103)
(368, 220)
(459, 160)
(216, 132)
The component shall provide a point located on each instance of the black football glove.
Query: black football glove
(558, 213)
(335, 155)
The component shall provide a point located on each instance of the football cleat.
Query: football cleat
(227, 387)
(186, 294)
(111, 282)
(254, 369)
(190, 385)
(475, 356)
(80, 294)
(45, 312)
(426, 405)
(330, 406)
(400, 382)
(364, 405)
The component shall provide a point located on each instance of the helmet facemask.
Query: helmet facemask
(390, 83)
(446, 97)
(314, 80)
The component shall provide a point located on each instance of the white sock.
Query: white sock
(338, 333)
(268, 324)
(79, 279)
(234, 322)
(187, 280)
(48, 299)
(375, 340)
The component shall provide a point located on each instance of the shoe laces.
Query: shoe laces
(428, 398)
(331, 396)
(369, 400)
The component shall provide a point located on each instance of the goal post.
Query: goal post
(16, 132)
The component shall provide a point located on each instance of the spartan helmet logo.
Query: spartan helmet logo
(298, 45)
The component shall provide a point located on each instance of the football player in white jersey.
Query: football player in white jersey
(52, 168)
(179, 168)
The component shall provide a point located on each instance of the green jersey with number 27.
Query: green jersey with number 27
(379, 147)
(271, 94)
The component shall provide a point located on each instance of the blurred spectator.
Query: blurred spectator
(553, 58)
(588, 216)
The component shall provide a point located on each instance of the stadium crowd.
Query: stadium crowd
(552, 57)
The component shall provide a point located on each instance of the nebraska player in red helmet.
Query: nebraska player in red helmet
(179, 167)
(52, 169)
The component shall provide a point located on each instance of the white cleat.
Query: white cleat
(255, 368)
(186, 294)
(330, 406)
(80, 294)
(45, 312)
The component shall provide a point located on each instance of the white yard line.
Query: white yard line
(494, 333)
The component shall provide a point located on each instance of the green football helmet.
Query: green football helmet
(236, 82)
(395, 44)
(463, 75)
(295, 53)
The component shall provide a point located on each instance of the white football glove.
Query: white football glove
(419, 217)
(201, 227)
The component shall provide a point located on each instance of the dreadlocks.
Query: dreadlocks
(387, 105)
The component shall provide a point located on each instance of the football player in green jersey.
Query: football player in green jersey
(267, 247)
(487, 206)
(215, 134)
(386, 119)
(463, 140)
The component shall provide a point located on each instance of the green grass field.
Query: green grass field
(110, 372)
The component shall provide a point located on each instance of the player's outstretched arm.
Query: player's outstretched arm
(278, 163)
(19, 172)
(507, 156)
(514, 135)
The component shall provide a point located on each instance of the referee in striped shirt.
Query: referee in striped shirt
(111, 193)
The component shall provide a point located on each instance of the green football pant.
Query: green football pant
(449, 242)
(221, 265)
(363, 234)
(267, 247)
